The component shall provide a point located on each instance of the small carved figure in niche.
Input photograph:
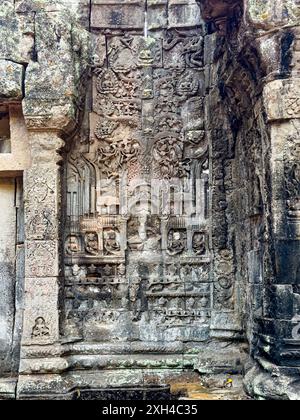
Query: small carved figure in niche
(79, 273)
(166, 88)
(199, 243)
(146, 58)
(185, 272)
(190, 303)
(170, 122)
(40, 329)
(41, 225)
(121, 270)
(107, 270)
(177, 242)
(204, 301)
(187, 86)
(152, 242)
(172, 271)
(91, 243)
(92, 269)
(72, 245)
(107, 83)
(105, 128)
(111, 244)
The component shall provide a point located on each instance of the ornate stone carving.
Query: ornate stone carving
(111, 243)
(91, 243)
(40, 329)
(41, 258)
(224, 285)
(147, 150)
(199, 243)
(176, 242)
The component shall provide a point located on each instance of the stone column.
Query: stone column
(41, 349)
(278, 331)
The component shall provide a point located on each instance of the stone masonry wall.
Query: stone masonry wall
(110, 279)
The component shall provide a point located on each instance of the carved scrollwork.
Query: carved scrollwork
(224, 285)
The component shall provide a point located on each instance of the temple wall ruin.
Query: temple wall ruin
(149, 182)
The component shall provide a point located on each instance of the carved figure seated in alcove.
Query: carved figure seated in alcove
(199, 243)
(176, 242)
(40, 328)
(91, 243)
(111, 244)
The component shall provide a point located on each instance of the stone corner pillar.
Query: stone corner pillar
(41, 361)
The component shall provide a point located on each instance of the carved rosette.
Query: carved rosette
(224, 283)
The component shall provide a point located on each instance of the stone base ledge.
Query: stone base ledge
(266, 381)
(91, 385)
(8, 388)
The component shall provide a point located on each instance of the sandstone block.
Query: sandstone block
(11, 80)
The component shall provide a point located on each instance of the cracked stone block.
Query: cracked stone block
(184, 13)
(11, 81)
(118, 14)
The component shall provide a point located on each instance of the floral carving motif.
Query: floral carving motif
(199, 243)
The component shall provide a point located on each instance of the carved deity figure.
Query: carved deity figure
(72, 245)
(187, 86)
(107, 83)
(176, 242)
(111, 244)
(91, 243)
(199, 243)
(40, 225)
(40, 329)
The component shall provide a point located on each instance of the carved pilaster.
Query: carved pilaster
(278, 346)
(42, 207)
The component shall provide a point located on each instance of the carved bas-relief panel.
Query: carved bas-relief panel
(137, 246)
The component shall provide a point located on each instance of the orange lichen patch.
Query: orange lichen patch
(186, 388)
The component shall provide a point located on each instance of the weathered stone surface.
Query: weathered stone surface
(158, 228)
(7, 272)
(11, 81)
(118, 14)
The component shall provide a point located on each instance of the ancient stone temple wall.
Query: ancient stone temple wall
(253, 89)
(149, 189)
(137, 258)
